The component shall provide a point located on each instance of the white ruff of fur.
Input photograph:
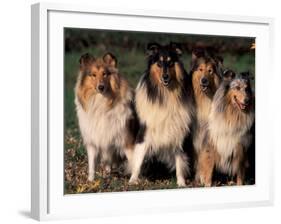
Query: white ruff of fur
(104, 127)
(166, 124)
(226, 135)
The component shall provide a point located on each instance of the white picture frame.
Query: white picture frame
(48, 201)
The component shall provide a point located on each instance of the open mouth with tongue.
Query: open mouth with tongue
(204, 88)
(241, 106)
(166, 82)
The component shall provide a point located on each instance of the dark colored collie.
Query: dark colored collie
(229, 133)
(164, 107)
(104, 108)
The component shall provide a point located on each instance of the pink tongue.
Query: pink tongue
(242, 106)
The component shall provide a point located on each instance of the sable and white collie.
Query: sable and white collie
(206, 78)
(229, 131)
(104, 105)
(164, 108)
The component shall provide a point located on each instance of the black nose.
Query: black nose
(204, 81)
(247, 101)
(101, 87)
(165, 77)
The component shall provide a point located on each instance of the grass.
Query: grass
(131, 65)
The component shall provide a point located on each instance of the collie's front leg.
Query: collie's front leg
(240, 176)
(92, 154)
(239, 164)
(129, 152)
(205, 167)
(138, 157)
(106, 162)
(181, 169)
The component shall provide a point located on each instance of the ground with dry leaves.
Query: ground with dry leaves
(155, 176)
(76, 172)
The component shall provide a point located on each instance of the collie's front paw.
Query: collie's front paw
(203, 181)
(181, 182)
(91, 177)
(106, 171)
(239, 182)
(134, 181)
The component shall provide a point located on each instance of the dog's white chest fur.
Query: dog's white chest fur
(224, 138)
(166, 125)
(103, 126)
(227, 136)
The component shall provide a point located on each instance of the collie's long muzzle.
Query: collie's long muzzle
(242, 105)
(165, 79)
(204, 83)
(101, 88)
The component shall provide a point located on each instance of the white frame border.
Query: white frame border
(39, 97)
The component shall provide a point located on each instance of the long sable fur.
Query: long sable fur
(107, 121)
(203, 99)
(229, 128)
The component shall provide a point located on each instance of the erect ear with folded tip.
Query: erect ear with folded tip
(245, 75)
(112, 70)
(228, 75)
(219, 59)
(197, 52)
(152, 48)
(86, 60)
(176, 47)
(110, 59)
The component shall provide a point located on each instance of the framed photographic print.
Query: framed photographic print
(139, 111)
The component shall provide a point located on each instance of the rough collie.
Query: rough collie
(105, 113)
(164, 107)
(228, 134)
(206, 69)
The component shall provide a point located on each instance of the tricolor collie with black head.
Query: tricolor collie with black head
(164, 108)
(104, 108)
(229, 130)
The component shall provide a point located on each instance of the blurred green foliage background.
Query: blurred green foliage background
(130, 50)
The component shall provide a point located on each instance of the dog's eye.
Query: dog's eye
(210, 71)
(171, 63)
(159, 64)
(201, 69)
(237, 87)
(94, 75)
(104, 74)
